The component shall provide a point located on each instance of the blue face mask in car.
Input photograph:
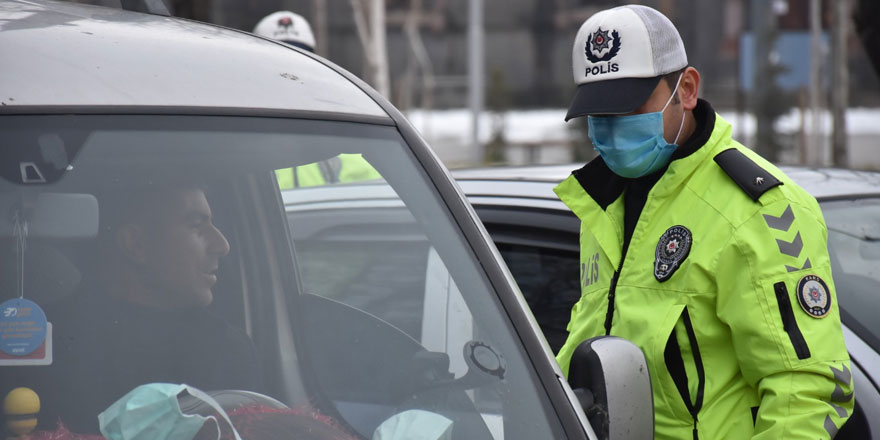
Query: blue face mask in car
(414, 424)
(633, 146)
(152, 411)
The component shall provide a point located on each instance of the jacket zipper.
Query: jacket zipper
(789, 323)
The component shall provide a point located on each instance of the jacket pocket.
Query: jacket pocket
(789, 323)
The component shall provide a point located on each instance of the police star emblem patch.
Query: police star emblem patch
(598, 42)
(673, 247)
(813, 296)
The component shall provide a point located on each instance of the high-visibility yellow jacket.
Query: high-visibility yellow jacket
(725, 285)
(301, 176)
(346, 168)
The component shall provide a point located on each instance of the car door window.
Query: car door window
(548, 279)
(541, 250)
(854, 246)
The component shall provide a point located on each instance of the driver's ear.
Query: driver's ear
(130, 240)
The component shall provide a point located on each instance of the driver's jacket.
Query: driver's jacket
(741, 328)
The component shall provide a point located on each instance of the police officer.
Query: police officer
(697, 249)
(293, 29)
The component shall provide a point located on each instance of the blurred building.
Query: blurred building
(528, 43)
(528, 66)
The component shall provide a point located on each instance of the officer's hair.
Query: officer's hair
(671, 78)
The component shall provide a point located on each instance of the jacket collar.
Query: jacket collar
(605, 187)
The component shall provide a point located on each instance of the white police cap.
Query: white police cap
(618, 58)
(288, 27)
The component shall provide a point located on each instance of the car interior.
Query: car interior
(336, 288)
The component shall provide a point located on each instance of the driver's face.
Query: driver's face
(183, 250)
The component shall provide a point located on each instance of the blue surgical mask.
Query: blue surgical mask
(152, 411)
(414, 424)
(633, 146)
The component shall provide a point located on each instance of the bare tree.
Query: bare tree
(371, 32)
(420, 63)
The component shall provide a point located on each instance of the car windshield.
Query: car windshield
(307, 264)
(854, 245)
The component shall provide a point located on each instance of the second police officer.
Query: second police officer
(291, 28)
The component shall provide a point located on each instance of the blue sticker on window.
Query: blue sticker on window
(22, 327)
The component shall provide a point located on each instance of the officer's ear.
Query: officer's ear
(130, 241)
(689, 88)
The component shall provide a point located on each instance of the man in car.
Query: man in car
(142, 313)
(698, 250)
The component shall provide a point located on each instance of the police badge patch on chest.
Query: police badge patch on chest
(673, 247)
(813, 296)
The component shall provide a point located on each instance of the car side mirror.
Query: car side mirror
(610, 377)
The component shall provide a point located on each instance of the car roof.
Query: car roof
(537, 181)
(59, 54)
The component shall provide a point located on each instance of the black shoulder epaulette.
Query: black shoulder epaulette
(753, 179)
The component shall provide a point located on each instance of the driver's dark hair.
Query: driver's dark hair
(124, 204)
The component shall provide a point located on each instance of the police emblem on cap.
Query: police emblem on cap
(285, 22)
(813, 296)
(598, 42)
(673, 247)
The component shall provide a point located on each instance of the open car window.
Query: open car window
(311, 262)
